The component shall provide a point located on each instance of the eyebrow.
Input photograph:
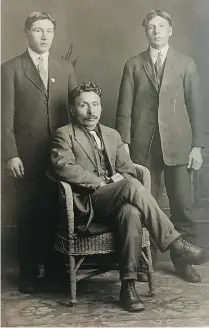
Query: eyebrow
(42, 28)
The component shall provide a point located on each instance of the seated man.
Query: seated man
(92, 158)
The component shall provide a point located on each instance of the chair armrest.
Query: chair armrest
(143, 174)
(65, 200)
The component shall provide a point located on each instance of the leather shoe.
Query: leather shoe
(188, 273)
(187, 253)
(27, 285)
(129, 298)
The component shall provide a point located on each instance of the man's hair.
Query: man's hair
(84, 87)
(35, 16)
(154, 13)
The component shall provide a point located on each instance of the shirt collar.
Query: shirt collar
(96, 129)
(34, 55)
(154, 52)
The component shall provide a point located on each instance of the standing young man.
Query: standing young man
(35, 90)
(159, 119)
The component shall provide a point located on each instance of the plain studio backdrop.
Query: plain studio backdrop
(105, 34)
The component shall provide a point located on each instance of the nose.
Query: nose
(156, 30)
(90, 109)
(43, 35)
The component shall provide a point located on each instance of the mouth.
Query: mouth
(92, 119)
(157, 39)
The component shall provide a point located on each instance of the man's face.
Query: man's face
(87, 109)
(158, 31)
(40, 35)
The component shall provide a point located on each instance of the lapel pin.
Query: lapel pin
(53, 80)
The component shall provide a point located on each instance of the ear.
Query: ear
(26, 33)
(170, 31)
(72, 110)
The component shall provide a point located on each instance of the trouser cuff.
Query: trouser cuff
(168, 240)
(128, 276)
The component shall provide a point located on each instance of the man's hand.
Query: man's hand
(126, 146)
(15, 168)
(195, 159)
(116, 177)
(102, 184)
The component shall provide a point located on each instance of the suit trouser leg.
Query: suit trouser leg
(155, 164)
(129, 238)
(28, 228)
(107, 199)
(36, 227)
(178, 186)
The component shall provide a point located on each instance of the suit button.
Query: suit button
(47, 116)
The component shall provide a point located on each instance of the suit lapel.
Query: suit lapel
(53, 68)
(31, 72)
(168, 70)
(149, 68)
(107, 144)
(85, 143)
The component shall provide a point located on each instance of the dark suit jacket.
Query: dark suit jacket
(30, 112)
(73, 160)
(176, 107)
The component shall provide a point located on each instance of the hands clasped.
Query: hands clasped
(114, 178)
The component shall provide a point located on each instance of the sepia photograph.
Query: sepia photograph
(104, 163)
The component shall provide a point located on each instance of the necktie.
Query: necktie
(97, 139)
(159, 62)
(42, 71)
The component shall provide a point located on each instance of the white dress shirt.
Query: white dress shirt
(35, 57)
(154, 53)
(97, 139)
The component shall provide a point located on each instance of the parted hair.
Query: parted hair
(84, 87)
(35, 16)
(154, 13)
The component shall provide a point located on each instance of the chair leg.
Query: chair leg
(72, 280)
(150, 271)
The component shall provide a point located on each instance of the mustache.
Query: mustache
(92, 117)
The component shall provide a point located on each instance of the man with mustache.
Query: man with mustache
(34, 94)
(159, 119)
(92, 158)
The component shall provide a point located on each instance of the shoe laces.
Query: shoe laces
(132, 289)
(189, 246)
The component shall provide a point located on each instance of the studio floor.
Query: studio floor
(176, 303)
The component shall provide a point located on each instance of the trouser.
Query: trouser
(132, 203)
(37, 222)
(178, 186)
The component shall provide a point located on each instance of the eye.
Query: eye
(96, 103)
(82, 105)
(49, 31)
(37, 30)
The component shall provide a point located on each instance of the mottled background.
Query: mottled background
(105, 34)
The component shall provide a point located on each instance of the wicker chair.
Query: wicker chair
(78, 247)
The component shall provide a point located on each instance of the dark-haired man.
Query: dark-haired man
(92, 158)
(34, 102)
(159, 119)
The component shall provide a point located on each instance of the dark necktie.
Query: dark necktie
(159, 62)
